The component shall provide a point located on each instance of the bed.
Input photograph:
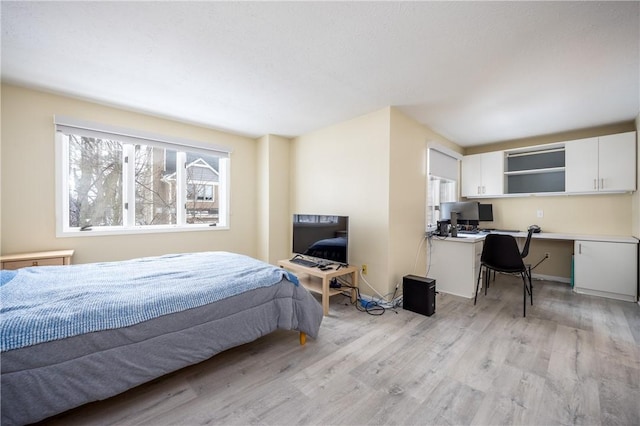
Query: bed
(80, 333)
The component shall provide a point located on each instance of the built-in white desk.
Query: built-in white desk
(604, 265)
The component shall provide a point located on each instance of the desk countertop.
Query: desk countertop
(472, 238)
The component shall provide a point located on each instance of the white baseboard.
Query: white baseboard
(617, 296)
(551, 278)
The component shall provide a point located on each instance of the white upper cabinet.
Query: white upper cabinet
(483, 174)
(601, 164)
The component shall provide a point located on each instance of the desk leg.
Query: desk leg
(325, 296)
(354, 292)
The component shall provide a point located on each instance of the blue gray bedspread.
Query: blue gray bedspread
(42, 304)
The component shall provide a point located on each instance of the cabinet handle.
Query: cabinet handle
(479, 192)
(34, 263)
(595, 184)
(601, 183)
(579, 248)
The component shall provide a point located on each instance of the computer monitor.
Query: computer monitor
(485, 212)
(467, 211)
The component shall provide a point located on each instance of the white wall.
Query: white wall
(28, 176)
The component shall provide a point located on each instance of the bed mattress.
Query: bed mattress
(44, 379)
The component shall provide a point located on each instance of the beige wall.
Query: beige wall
(372, 169)
(28, 175)
(344, 170)
(274, 219)
(407, 197)
(262, 199)
(635, 211)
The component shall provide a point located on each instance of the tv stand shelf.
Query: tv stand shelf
(318, 281)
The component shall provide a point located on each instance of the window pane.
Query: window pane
(202, 186)
(441, 190)
(123, 185)
(155, 186)
(94, 182)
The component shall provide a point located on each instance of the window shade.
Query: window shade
(442, 165)
(94, 130)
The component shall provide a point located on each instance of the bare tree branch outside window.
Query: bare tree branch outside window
(95, 182)
(96, 177)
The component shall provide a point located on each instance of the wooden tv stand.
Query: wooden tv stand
(318, 281)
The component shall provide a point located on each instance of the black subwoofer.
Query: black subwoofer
(419, 294)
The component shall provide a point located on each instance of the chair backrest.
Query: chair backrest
(501, 252)
(525, 249)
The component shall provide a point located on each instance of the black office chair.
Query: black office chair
(525, 249)
(524, 253)
(501, 253)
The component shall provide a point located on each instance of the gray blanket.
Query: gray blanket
(48, 378)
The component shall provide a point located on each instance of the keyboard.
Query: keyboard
(303, 262)
(474, 231)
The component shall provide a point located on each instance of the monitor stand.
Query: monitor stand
(454, 224)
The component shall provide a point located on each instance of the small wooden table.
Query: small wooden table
(40, 258)
(317, 281)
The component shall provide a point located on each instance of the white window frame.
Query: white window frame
(130, 137)
(435, 174)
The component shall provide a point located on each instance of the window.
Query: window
(443, 181)
(313, 218)
(114, 180)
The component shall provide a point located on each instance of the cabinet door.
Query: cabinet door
(471, 175)
(617, 162)
(493, 173)
(453, 264)
(581, 165)
(483, 174)
(606, 269)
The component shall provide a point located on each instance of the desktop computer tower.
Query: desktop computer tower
(419, 294)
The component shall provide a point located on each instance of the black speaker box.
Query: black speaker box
(419, 294)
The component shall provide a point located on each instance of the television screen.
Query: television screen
(321, 237)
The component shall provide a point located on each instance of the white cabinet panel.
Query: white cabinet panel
(603, 164)
(471, 175)
(617, 165)
(483, 174)
(606, 269)
(581, 165)
(454, 264)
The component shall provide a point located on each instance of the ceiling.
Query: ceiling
(474, 72)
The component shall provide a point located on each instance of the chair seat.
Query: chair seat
(502, 269)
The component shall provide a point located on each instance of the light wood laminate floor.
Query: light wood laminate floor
(574, 359)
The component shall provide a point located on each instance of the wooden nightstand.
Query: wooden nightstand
(41, 258)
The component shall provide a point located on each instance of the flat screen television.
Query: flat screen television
(324, 238)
